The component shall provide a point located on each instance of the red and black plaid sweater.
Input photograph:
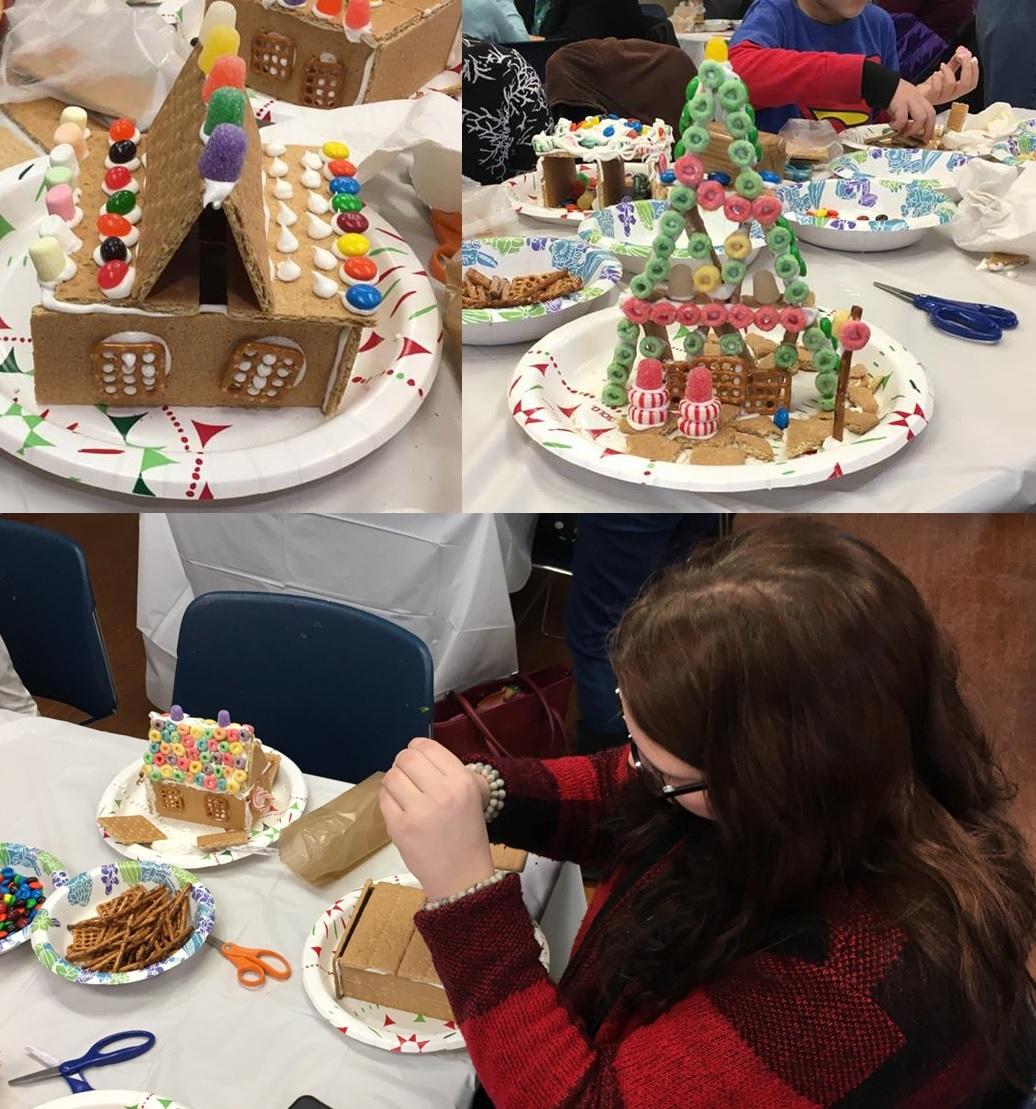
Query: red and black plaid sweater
(848, 1017)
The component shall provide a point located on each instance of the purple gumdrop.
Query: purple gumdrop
(223, 718)
(224, 153)
(176, 713)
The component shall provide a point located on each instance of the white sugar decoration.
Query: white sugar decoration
(312, 160)
(317, 228)
(288, 270)
(311, 179)
(274, 149)
(285, 216)
(317, 204)
(323, 286)
(282, 190)
(286, 242)
(278, 168)
(324, 259)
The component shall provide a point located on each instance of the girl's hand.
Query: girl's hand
(953, 80)
(911, 113)
(433, 808)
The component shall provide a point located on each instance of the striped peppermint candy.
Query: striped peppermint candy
(699, 420)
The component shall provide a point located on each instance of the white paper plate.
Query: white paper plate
(1020, 148)
(390, 1029)
(515, 256)
(125, 796)
(78, 900)
(113, 1099)
(31, 862)
(555, 391)
(909, 210)
(193, 454)
(523, 193)
(936, 168)
(856, 138)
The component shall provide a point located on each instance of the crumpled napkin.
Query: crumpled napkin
(983, 130)
(997, 211)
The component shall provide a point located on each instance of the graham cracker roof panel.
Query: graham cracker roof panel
(244, 209)
(386, 20)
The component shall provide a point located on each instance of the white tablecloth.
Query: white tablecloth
(693, 43)
(445, 578)
(979, 454)
(207, 1025)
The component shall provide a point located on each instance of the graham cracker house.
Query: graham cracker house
(295, 55)
(217, 307)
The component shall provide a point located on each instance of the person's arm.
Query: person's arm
(512, 26)
(775, 77)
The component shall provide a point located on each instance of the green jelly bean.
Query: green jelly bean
(121, 203)
(693, 343)
(671, 223)
(682, 198)
(613, 395)
(733, 271)
(651, 346)
(748, 184)
(702, 108)
(711, 74)
(588, 142)
(680, 149)
(827, 384)
(731, 344)
(627, 330)
(641, 286)
(825, 360)
(738, 124)
(658, 270)
(700, 246)
(226, 105)
(758, 147)
(797, 291)
(813, 339)
(753, 135)
(624, 354)
(825, 326)
(751, 112)
(797, 255)
(786, 267)
(779, 240)
(685, 118)
(663, 246)
(692, 88)
(697, 138)
(742, 153)
(786, 357)
(732, 94)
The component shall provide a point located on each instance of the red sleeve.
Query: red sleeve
(777, 77)
(557, 808)
(528, 1050)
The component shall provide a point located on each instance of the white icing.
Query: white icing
(652, 143)
(100, 261)
(216, 192)
(324, 286)
(148, 369)
(285, 216)
(368, 67)
(312, 160)
(317, 204)
(56, 227)
(132, 165)
(286, 242)
(274, 149)
(311, 179)
(336, 366)
(282, 190)
(323, 259)
(316, 228)
(288, 270)
(278, 168)
(132, 187)
(130, 239)
(123, 288)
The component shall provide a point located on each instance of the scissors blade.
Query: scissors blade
(901, 293)
(36, 1076)
(42, 1056)
(216, 943)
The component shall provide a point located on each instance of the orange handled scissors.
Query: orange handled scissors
(253, 963)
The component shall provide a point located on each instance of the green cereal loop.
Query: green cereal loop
(692, 88)
(682, 198)
(738, 125)
(797, 291)
(779, 240)
(617, 375)
(814, 339)
(657, 269)
(700, 246)
(749, 184)
(733, 271)
(651, 346)
(711, 74)
(827, 404)
(627, 330)
(613, 395)
(825, 360)
(702, 108)
(680, 149)
(742, 153)
(731, 344)
(786, 357)
(693, 343)
(663, 246)
(786, 267)
(732, 94)
(623, 355)
(641, 286)
(697, 139)
(827, 384)
(671, 223)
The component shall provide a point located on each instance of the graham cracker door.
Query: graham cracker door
(322, 82)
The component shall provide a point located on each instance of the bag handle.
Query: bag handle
(556, 724)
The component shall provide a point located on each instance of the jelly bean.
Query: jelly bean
(667, 177)
(718, 175)
(781, 418)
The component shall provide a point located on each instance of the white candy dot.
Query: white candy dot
(269, 359)
(240, 377)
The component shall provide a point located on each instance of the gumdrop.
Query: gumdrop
(699, 385)
(227, 105)
(224, 155)
(227, 71)
(649, 374)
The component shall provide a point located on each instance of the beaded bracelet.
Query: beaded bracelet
(497, 793)
(500, 874)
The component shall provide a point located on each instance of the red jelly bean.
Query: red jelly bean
(118, 177)
(361, 269)
(110, 224)
(122, 129)
(112, 274)
(339, 167)
(351, 222)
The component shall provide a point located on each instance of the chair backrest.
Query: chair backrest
(49, 622)
(337, 689)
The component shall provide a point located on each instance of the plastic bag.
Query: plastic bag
(997, 212)
(65, 49)
(811, 140)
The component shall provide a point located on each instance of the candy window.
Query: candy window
(216, 808)
(322, 83)
(171, 798)
(273, 54)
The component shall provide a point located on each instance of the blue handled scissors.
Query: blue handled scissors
(95, 1056)
(979, 323)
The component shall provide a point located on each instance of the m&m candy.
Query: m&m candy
(344, 202)
(351, 221)
(363, 299)
(339, 167)
(359, 271)
(344, 185)
(334, 150)
(351, 245)
(20, 899)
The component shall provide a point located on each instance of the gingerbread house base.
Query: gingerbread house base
(736, 381)
(215, 810)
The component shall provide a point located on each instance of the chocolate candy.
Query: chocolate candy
(123, 151)
(20, 899)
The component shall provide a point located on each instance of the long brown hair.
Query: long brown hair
(802, 673)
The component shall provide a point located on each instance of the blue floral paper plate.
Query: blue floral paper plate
(1020, 148)
(936, 168)
(627, 230)
(517, 256)
(78, 900)
(869, 214)
(31, 861)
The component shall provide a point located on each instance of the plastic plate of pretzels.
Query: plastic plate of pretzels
(123, 922)
(517, 289)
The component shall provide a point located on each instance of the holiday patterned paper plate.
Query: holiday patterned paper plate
(31, 862)
(523, 192)
(125, 796)
(515, 256)
(555, 397)
(113, 1099)
(1019, 149)
(628, 229)
(390, 1029)
(868, 214)
(935, 168)
(196, 454)
(78, 900)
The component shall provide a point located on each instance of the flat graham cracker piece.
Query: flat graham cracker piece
(718, 456)
(859, 423)
(653, 446)
(131, 829)
(861, 397)
(754, 447)
(806, 436)
(758, 425)
(222, 839)
(508, 858)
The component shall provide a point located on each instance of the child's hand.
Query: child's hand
(911, 112)
(953, 80)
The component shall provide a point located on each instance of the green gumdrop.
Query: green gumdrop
(671, 223)
(692, 88)
(663, 246)
(813, 339)
(731, 344)
(627, 330)
(679, 150)
(827, 384)
(658, 270)
(825, 360)
(624, 354)
(651, 346)
(733, 272)
(700, 246)
(825, 326)
(682, 198)
(693, 343)
(618, 375)
(641, 286)
(226, 105)
(785, 357)
(613, 395)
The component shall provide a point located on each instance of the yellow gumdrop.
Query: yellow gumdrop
(706, 279)
(737, 246)
(221, 40)
(716, 50)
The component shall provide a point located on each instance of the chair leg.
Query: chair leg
(546, 609)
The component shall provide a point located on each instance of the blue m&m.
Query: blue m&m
(362, 299)
(667, 177)
(344, 185)
(770, 177)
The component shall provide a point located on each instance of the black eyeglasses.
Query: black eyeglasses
(654, 778)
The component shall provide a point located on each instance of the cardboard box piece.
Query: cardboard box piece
(296, 56)
(382, 958)
(508, 858)
(716, 160)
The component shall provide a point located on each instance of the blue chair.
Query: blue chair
(48, 620)
(334, 688)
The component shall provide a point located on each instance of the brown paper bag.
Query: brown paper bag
(451, 317)
(331, 840)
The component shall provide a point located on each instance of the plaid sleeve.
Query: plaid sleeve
(557, 807)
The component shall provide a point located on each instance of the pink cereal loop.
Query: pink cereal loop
(689, 315)
(689, 170)
(740, 316)
(766, 209)
(664, 313)
(714, 314)
(767, 317)
(793, 319)
(711, 196)
(737, 209)
(855, 335)
(636, 311)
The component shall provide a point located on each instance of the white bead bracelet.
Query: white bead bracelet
(497, 793)
(464, 893)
